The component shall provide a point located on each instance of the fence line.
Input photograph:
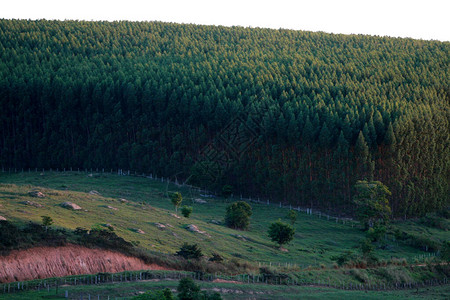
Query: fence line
(271, 279)
(207, 193)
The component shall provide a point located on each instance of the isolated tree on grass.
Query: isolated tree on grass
(46, 222)
(372, 205)
(176, 200)
(227, 191)
(292, 216)
(186, 211)
(238, 215)
(281, 233)
(188, 251)
(189, 290)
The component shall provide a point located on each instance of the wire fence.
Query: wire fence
(202, 191)
(60, 285)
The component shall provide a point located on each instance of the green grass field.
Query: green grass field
(229, 291)
(316, 239)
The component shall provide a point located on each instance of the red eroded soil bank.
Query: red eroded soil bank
(44, 262)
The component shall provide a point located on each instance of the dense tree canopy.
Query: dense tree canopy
(275, 113)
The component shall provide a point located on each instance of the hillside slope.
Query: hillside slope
(316, 240)
(288, 115)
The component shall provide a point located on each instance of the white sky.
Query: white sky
(420, 19)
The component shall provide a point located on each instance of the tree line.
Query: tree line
(321, 110)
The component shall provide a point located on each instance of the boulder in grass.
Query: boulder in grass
(70, 205)
(110, 207)
(140, 231)
(36, 194)
(122, 200)
(2, 218)
(175, 216)
(200, 201)
(94, 192)
(194, 228)
(109, 226)
(160, 226)
(31, 203)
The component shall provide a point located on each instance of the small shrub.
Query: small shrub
(188, 289)
(423, 243)
(227, 190)
(436, 221)
(343, 258)
(376, 233)
(360, 275)
(190, 251)
(394, 274)
(292, 216)
(281, 233)
(186, 211)
(366, 247)
(216, 257)
(360, 263)
(238, 215)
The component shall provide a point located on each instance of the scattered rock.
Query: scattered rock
(36, 194)
(140, 231)
(110, 207)
(109, 226)
(194, 228)
(240, 237)
(284, 249)
(174, 234)
(122, 200)
(168, 225)
(31, 203)
(175, 216)
(200, 201)
(2, 218)
(70, 205)
(215, 222)
(160, 226)
(94, 192)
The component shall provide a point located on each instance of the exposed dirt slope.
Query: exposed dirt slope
(44, 262)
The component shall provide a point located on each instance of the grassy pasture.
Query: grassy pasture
(316, 240)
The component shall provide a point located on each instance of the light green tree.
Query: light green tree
(372, 204)
(176, 200)
(46, 222)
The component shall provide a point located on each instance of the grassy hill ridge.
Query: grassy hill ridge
(101, 197)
